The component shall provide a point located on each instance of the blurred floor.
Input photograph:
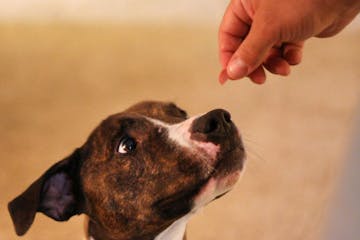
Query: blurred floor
(57, 81)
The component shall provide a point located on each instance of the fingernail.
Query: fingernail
(223, 77)
(237, 68)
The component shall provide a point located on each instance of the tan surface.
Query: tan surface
(58, 81)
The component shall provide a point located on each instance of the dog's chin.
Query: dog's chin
(214, 188)
(224, 177)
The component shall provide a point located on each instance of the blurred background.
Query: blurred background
(66, 65)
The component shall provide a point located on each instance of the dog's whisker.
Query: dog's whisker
(253, 149)
(255, 159)
(251, 154)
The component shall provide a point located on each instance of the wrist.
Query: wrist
(335, 15)
(344, 6)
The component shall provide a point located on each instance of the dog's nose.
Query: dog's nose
(214, 122)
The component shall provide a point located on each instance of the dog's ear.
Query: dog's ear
(57, 194)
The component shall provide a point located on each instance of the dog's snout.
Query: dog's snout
(213, 122)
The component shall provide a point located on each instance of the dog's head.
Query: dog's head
(138, 172)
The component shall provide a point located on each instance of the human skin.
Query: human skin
(269, 34)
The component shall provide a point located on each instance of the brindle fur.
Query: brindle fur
(132, 196)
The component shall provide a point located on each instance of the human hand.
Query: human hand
(270, 34)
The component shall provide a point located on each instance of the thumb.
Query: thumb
(252, 51)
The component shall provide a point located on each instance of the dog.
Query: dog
(141, 174)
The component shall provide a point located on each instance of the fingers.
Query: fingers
(233, 29)
(275, 63)
(292, 52)
(246, 51)
(257, 76)
(223, 77)
(252, 52)
(278, 61)
(281, 58)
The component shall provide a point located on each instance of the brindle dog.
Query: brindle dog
(140, 174)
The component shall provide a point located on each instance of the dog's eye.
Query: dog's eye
(127, 145)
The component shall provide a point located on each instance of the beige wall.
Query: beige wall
(114, 10)
(184, 11)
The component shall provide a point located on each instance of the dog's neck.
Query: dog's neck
(176, 231)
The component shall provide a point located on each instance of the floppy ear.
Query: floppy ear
(57, 194)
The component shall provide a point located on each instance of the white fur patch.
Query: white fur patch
(215, 187)
(210, 191)
(180, 134)
(176, 230)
